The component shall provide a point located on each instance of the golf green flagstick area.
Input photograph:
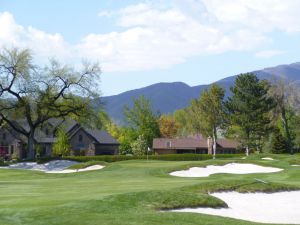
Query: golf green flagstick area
(133, 192)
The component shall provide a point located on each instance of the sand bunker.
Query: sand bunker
(55, 166)
(233, 168)
(281, 207)
(267, 158)
(89, 168)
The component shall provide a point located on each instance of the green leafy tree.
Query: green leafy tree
(124, 135)
(143, 120)
(295, 127)
(62, 146)
(207, 113)
(31, 95)
(139, 146)
(104, 119)
(127, 136)
(278, 142)
(248, 111)
(184, 121)
(286, 97)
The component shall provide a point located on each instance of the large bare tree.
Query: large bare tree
(31, 95)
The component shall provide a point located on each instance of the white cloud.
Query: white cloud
(44, 45)
(160, 38)
(157, 36)
(268, 53)
(106, 14)
(260, 15)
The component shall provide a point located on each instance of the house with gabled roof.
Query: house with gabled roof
(83, 141)
(194, 144)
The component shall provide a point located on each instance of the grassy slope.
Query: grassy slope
(87, 164)
(128, 192)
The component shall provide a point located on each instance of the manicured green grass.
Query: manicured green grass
(130, 192)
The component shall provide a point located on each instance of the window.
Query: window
(80, 146)
(80, 138)
(4, 136)
(169, 144)
(47, 131)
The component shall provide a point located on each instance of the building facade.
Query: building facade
(195, 145)
(83, 141)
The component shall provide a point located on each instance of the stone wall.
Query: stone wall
(84, 144)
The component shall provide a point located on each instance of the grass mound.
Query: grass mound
(243, 186)
(294, 161)
(86, 164)
(173, 199)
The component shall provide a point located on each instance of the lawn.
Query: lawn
(130, 192)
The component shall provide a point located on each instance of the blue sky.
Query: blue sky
(139, 43)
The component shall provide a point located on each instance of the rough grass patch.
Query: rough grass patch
(166, 200)
(242, 186)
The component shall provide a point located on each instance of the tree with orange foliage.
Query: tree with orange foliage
(168, 126)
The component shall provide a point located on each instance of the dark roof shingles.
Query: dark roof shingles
(101, 136)
(182, 143)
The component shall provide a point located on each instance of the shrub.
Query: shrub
(62, 145)
(2, 163)
(173, 157)
(45, 159)
(38, 151)
(139, 146)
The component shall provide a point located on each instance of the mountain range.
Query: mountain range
(169, 97)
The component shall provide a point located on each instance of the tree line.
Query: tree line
(263, 116)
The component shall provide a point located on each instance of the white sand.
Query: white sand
(233, 168)
(89, 168)
(281, 207)
(55, 166)
(295, 165)
(267, 158)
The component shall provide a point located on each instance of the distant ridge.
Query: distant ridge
(168, 97)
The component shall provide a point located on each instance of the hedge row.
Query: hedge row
(173, 157)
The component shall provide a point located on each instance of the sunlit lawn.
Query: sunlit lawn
(129, 192)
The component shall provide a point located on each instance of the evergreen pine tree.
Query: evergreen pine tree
(248, 109)
(278, 142)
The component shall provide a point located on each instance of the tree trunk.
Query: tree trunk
(214, 147)
(30, 147)
(248, 142)
(287, 131)
(247, 150)
(214, 143)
